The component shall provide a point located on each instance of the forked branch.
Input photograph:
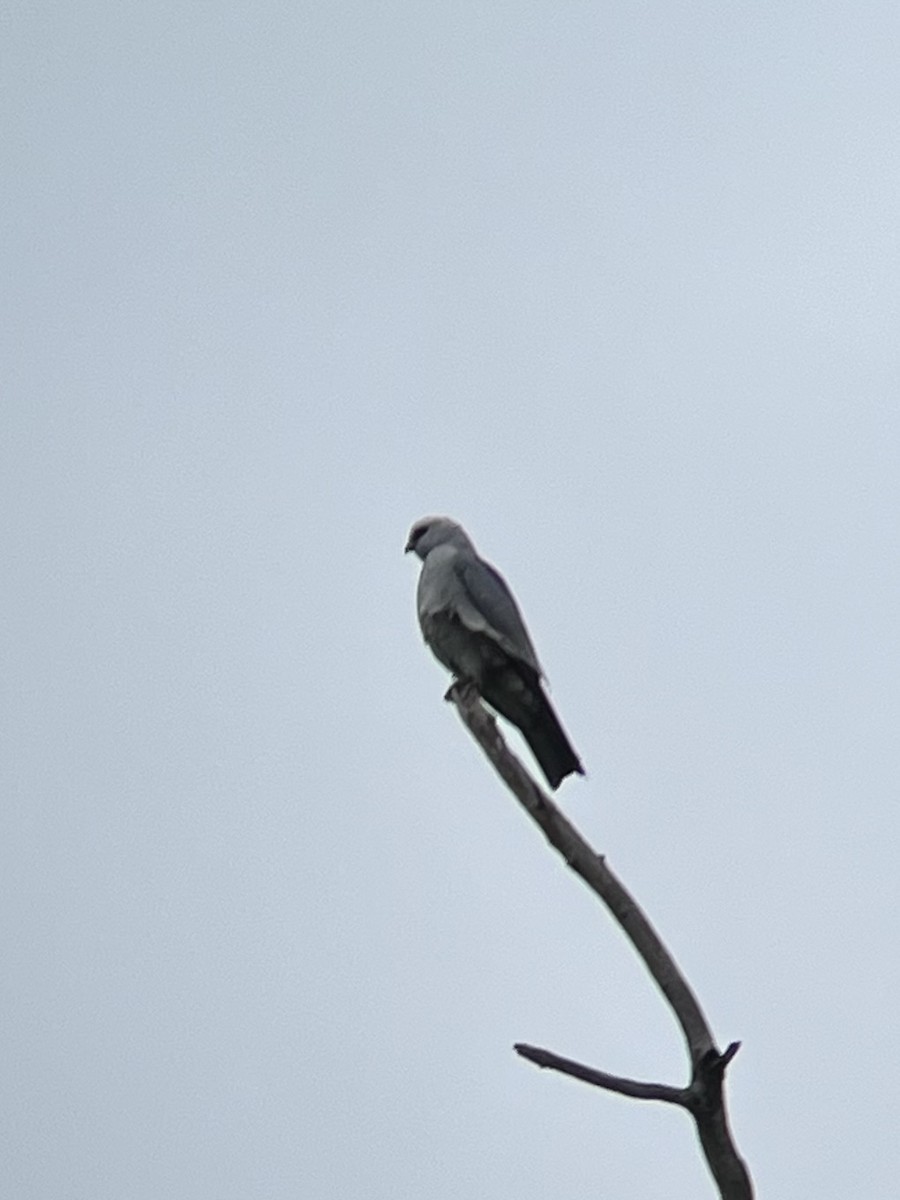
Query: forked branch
(704, 1096)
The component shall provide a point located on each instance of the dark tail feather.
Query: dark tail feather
(551, 747)
(515, 692)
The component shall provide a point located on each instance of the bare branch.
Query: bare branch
(592, 868)
(704, 1097)
(612, 1083)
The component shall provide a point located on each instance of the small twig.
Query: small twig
(729, 1053)
(613, 1083)
(704, 1097)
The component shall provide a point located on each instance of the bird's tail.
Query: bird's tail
(517, 694)
(551, 747)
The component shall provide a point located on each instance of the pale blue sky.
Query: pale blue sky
(615, 286)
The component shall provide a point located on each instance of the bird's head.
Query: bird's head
(435, 531)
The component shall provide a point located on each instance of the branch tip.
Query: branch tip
(729, 1054)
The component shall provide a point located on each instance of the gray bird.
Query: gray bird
(473, 625)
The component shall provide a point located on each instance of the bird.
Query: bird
(472, 624)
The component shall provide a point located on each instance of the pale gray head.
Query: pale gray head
(436, 531)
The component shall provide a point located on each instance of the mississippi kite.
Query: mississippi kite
(473, 626)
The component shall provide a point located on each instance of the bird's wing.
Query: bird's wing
(485, 604)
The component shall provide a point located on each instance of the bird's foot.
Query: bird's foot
(465, 689)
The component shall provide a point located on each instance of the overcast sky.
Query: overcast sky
(617, 287)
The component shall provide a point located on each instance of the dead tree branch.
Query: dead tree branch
(704, 1096)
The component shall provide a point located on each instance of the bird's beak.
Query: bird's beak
(409, 546)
